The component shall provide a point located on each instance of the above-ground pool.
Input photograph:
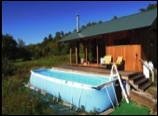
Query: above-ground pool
(94, 92)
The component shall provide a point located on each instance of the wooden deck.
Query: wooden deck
(94, 68)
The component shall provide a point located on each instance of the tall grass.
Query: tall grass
(16, 98)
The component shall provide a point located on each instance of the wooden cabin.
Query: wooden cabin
(128, 36)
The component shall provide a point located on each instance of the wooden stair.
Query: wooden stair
(139, 82)
(144, 99)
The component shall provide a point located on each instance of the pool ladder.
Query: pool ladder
(114, 68)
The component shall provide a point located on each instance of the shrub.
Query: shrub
(8, 68)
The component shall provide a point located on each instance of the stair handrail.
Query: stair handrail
(149, 68)
(114, 67)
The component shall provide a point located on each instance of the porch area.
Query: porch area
(90, 53)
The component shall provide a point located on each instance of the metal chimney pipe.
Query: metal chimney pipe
(77, 23)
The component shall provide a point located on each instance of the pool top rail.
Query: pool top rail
(103, 80)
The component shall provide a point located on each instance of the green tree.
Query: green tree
(20, 43)
(9, 47)
(8, 68)
(100, 21)
(115, 17)
(50, 37)
(149, 7)
(58, 35)
(62, 34)
(22, 52)
(64, 48)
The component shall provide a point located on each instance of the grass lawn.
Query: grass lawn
(130, 109)
(48, 62)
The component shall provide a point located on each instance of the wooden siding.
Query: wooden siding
(128, 52)
(149, 52)
(109, 38)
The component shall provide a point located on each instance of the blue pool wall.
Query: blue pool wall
(75, 93)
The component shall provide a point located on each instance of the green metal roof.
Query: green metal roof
(135, 21)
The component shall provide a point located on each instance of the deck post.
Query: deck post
(76, 53)
(97, 52)
(86, 55)
(70, 55)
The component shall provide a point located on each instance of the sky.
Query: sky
(31, 21)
